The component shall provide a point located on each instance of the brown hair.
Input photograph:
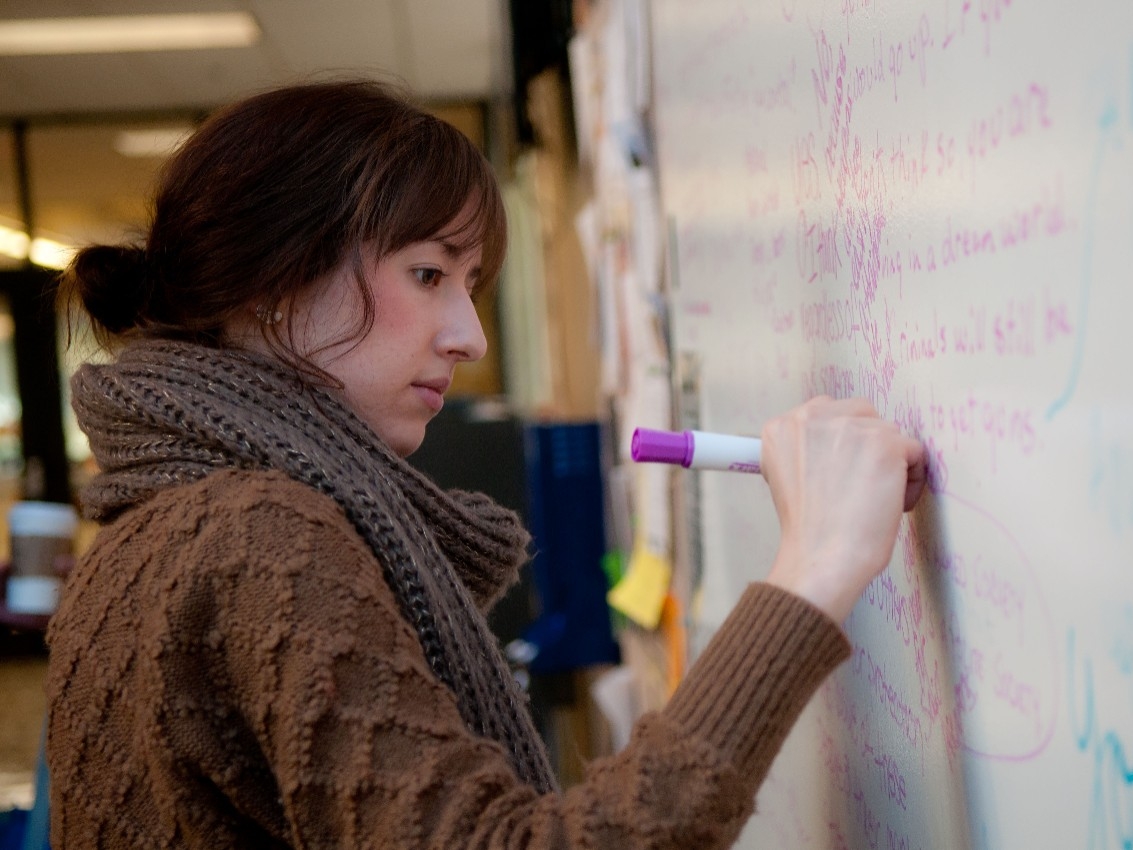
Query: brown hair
(275, 191)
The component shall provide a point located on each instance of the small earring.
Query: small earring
(268, 318)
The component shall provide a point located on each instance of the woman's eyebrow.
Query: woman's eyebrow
(454, 250)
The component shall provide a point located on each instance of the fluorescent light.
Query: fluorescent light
(50, 254)
(120, 33)
(13, 243)
(43, 252)
(159, 142)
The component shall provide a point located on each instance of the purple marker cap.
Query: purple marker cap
(662, 446)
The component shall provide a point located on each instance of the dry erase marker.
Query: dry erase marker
(697, 449)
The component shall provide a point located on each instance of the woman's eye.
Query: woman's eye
(428, 277)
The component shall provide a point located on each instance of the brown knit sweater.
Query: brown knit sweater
(229, 669)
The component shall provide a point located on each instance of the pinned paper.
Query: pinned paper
(640, 595)
(675, 640)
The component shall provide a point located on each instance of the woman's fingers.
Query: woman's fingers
(840, 477)
(917, 478)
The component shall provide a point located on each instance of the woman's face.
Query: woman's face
(425, 322)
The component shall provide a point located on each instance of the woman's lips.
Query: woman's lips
(432, 393)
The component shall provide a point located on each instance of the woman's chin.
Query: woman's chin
(405, 442)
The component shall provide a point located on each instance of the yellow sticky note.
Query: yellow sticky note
(641, 593)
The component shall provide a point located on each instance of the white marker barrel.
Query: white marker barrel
(725, 451)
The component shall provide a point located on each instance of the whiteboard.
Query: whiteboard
(929, 204)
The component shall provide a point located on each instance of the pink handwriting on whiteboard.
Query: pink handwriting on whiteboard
(963, 18)
(1000, 635)
(996, 694)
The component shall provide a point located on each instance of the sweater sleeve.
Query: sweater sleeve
(366, 748)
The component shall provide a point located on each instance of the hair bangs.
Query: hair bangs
(448, 191)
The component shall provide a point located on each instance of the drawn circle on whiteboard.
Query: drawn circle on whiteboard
(999, 634)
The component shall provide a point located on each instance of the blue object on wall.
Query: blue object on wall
(26, 829)
(567, 523)
(39, 821)
(13, 823)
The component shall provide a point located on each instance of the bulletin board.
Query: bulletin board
(929, 204)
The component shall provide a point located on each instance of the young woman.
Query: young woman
(278, 637)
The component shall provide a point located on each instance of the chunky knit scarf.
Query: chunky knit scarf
(167, 413)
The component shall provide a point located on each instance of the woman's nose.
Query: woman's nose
(463, 336)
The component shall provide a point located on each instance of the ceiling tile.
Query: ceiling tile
(456, 45)
(342, 35)
(38, 85)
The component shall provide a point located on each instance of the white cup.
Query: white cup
(40, 532)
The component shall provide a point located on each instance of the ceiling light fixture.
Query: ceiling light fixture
(49, 253)
(43, 252)
(13, 243)
(158, 142)
(120, 33)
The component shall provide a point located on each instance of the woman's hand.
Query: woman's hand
(840, 477)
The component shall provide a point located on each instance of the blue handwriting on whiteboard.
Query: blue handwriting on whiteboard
(1106, 139)
(1111, 793)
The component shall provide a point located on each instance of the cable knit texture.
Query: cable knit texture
(168, 413)
(239, 660)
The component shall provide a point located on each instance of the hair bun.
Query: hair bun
(110, 280)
